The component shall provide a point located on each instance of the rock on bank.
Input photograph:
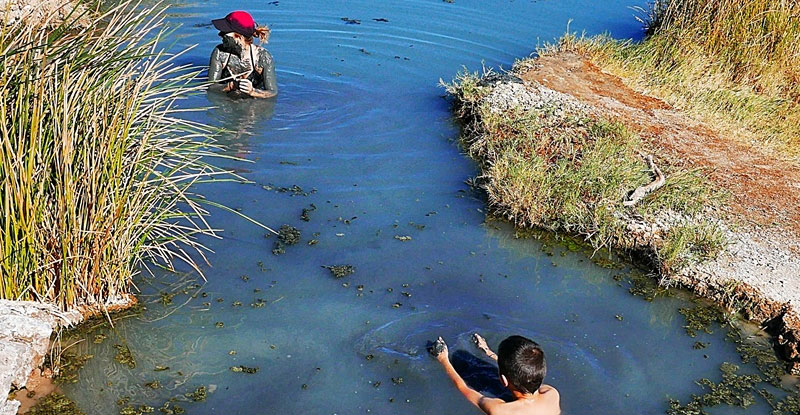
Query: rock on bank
(24, 341)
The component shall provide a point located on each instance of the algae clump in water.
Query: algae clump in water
(340, 271)
(124, 356)
(288, 235)
(701, 318)
(55, 404)
(198, 395)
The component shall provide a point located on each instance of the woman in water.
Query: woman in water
(237, 65)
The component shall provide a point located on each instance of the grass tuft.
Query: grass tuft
(554, 165)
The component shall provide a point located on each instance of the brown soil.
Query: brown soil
(39, 385)
(764, 189)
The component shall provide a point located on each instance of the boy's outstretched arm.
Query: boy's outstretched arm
(485, 403)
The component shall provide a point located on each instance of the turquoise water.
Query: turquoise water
(361, 128)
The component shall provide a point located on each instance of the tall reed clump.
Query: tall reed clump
(735, 64)
(96, 163)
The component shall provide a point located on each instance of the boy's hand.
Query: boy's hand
(439, 350)
(480, 342)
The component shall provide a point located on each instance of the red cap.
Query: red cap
(239, 21)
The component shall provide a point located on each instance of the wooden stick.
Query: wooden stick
(642, 191)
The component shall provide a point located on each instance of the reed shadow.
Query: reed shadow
(479, 374)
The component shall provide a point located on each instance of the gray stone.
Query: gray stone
(25, 329)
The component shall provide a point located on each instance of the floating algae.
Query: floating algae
(142, 409)
(99, 338)
(171, 410)
(153, 385)
(402, 238)
(160, 368)
(763, 357)
(340, 271)
(124, 356)
(55, 404)
(700, 318)
(166, 298)
(198, 395)
(734, 390)
(244, 369)
(304, 216)
(287, 235)
(69, 366)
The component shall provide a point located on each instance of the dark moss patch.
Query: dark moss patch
(734, 390)
(69, 367)
(701, 318)
(340, 271)
(198, 395)
(305, 215)
(244, 369)
(124, 356)
(55, 404)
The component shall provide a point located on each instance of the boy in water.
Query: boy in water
(522, 369)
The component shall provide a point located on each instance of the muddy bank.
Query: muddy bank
(740, 251)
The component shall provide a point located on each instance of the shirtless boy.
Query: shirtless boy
(522, 369)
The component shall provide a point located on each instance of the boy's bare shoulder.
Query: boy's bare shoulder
(548, 402)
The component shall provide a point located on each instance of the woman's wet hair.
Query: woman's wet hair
(262, 33)
(521, 361)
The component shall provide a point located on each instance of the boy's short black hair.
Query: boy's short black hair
(521, 361)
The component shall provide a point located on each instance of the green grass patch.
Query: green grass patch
(558, 168)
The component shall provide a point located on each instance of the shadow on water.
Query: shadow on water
(241, 119)
(479, 374)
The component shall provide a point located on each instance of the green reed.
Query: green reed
(96, 163)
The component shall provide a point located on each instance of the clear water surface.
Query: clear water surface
(361, 127)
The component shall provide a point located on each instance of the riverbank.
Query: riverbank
(562, 145)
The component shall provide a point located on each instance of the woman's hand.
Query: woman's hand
(246, 86)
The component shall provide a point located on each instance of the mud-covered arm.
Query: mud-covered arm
(266, 62)
(215, 69)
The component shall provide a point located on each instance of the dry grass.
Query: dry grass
(734, 65)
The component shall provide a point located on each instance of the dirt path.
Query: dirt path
(765, 191)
